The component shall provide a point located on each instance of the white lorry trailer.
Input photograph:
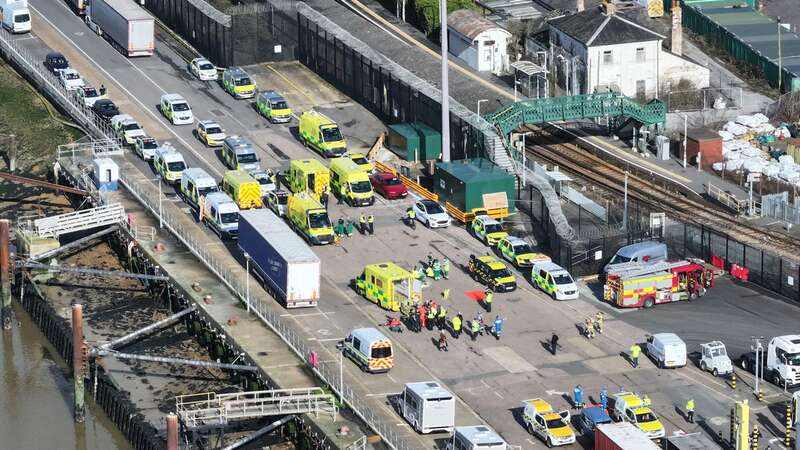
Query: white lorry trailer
(127, 26)
(288, 267)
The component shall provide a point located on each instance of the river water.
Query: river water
(36, 398)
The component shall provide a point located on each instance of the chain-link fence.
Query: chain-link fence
(266, 308)
(591, 250)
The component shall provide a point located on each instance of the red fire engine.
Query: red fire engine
(637, 285)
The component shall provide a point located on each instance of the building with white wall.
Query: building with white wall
(478, 41)
(594, 50)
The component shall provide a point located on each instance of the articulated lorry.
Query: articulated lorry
(288, 267)
(127, 26)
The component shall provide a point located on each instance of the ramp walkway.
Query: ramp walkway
(85, 219)
(211, 410)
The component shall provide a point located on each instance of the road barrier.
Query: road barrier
(148, 195)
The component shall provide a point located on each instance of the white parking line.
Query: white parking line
(157, 117)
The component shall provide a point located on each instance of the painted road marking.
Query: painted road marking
(158, 118)
(509, 359)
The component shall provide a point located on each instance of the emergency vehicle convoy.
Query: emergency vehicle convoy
(636, 285)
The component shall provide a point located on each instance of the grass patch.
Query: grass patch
(38, 126)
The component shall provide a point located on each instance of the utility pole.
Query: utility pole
(625, 207)
(78, 360)
(445, 84)
(12, 154)
(5, 272)
(780, 58)
(758, 368)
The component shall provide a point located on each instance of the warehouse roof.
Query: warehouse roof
(471, 24)
(755, 30)
(473, 169)
(594, 27)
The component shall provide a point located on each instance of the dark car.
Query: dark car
(55, 62)
(388, 185)
(590, 417)
(105, 109)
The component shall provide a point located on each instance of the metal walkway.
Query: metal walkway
(587, 106)
(85, 219)
(210, 410)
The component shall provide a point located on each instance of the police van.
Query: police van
(196, 183)
(370, 349)
(239, 154)
(554, 280)
(476, 437)
(428, 407)
(221, 214)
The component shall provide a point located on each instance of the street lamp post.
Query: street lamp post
(247, 280)
(479, 105)
(685, 133)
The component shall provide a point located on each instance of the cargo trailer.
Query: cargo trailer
(127, 26)
(285, 263)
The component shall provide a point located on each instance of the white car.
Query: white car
(203, 69)
(127, 128)
(265, 179)
(145, 147)
(431, 214)
(70, 79)
(88, 95)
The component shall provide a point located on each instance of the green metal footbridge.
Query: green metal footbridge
(587, 106)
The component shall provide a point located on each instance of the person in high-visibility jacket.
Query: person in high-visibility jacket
(441, 317)
(445, 294)
(432, 313)
(690, 410)
(371, 224)
(411, 215)
(446, 268)
(362, 224)
(429, 272)
(457, 322)
(487, 299)
(475, 328)
(635, 351)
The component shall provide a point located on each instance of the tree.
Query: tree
(427, 13)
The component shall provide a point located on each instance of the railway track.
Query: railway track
(571, 157)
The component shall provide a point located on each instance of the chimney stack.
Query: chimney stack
(676, 44)
(581, 5)
(609, 7)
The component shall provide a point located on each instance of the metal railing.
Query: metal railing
(220, 409)
(264, 307)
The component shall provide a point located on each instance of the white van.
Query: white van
(16, 16)
(666, 350)
(476, 437)
(221, 214)
(196, 183)
(427, 406)
(370, 349)
(646, 252)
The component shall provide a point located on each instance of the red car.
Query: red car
(388, 185)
